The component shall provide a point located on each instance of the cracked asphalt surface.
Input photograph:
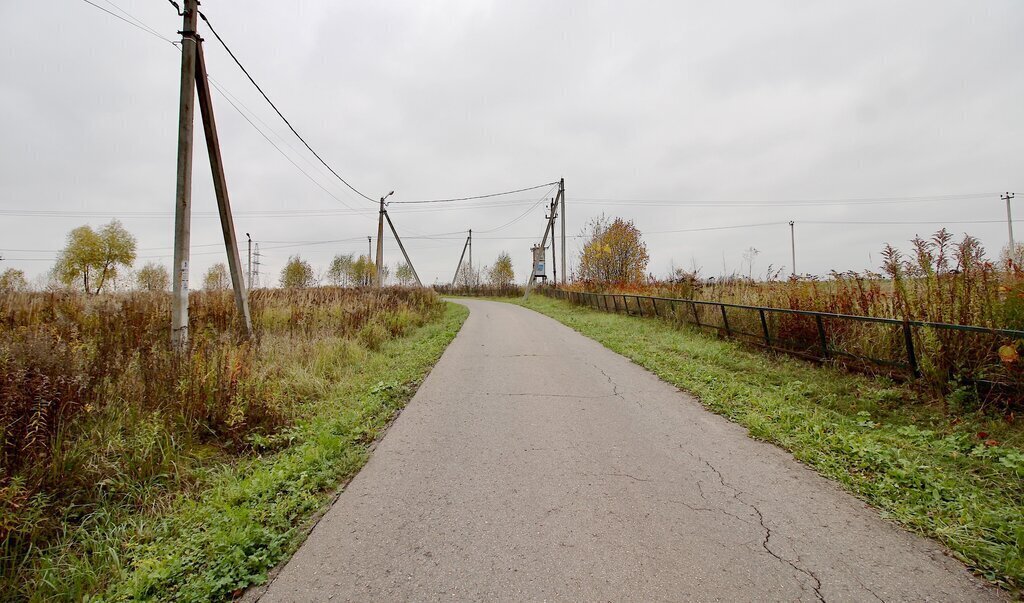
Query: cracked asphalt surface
(534, 464)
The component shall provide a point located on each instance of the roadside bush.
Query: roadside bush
(373, 336)
(101, 417)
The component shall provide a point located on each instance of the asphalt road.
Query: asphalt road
(534, 464)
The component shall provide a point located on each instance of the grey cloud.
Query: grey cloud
(756, 101)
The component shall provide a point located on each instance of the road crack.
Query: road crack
(615, 386)
(633, 477)
(765, 542)
(767, 549)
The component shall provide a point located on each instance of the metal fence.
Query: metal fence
(863, 341)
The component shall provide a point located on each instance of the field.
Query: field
(125, 467)
(955, 476)
(942, 282)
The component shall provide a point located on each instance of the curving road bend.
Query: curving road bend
(534, 464)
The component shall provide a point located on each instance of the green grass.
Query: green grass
(957, 478)
(243, 517)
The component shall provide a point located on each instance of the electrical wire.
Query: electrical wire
(520, 190)
(708, 228)
(293, 213)
(278, 111)
(286, 141)
(782, 203)
(224, 95)
(140, 25)
(907, 222)
(230, 98)
(522, 215)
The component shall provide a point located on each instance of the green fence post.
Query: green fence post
(764, 327)
(821, 337)
(908, 339)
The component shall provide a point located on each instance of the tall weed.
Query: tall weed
(101, 417)
(939, 280)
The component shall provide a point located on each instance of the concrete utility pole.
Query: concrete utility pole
(220, 186)
(398, 240)
(380, 242)
(548, 227)
(1009, 222)
(461, 257)
(183, 184)
(249, 265)
(469, 280)
(561, 194)
(792, 245)
(554, 262)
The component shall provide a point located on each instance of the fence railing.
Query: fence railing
(823, 336)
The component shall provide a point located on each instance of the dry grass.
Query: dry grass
(100, 416)
(480, 290)
(942, 281)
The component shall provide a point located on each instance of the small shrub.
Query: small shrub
(373, 335)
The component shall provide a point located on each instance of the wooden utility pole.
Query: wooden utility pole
(561, 196)
(183, 184)
(398, 239)
(220, 186)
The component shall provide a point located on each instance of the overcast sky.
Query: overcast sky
(695, 105)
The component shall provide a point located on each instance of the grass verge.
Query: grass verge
(252, 514)
(957, 478)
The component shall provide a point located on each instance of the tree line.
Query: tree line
(93, 259)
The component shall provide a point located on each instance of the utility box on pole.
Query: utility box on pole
(538, 263)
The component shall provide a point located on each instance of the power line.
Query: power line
(781, 202)
(445, 236)
(292, 213)
(707, 228)
(520, 190)
(230, 98)
(139, 25)
(522, 215)
(287, 141)
(278, 111)
(279, 149)
(907, 222)
(163, 214)
(232, 101)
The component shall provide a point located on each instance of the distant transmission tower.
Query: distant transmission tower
(257, 261)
